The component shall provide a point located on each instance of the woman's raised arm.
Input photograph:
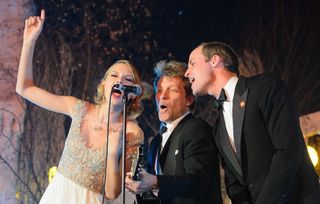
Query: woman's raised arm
(25, 85)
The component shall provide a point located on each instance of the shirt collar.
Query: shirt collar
(230, 87)
(174, 123)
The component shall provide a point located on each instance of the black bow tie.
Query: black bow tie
(218, 103)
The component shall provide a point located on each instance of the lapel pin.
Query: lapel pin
(176, 152)
(242, 104)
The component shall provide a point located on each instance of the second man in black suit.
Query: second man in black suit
(183, 165)
(258, 134)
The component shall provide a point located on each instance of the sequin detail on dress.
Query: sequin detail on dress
(81, 164)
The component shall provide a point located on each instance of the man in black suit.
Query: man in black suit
(257, 133)
(183, 165)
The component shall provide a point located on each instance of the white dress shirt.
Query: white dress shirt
(229, 89)
(165, 136)
(170, 128)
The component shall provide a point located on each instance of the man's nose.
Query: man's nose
(187, 73)
(163, 95)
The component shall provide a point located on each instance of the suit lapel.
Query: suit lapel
(164, 153)
(171, 147)
(226, 148)
(238, 112)
(153, 152)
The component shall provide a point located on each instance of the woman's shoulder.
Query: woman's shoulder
(133, 125)
(82, 107)
(135, 133)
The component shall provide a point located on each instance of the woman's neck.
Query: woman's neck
(102, 112)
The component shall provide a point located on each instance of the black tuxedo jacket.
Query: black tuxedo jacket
(191, 173)
(272, 164)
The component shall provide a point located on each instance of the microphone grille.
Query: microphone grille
(139, 89)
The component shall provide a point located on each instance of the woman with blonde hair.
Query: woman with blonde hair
(81, 170)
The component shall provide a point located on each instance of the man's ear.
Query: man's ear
(215, 60)
(190, 100)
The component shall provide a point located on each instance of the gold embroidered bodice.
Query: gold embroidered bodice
(81, 164)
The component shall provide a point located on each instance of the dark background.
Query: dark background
(193, 22)
(285, 35)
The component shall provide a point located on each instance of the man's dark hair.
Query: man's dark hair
(229, 56)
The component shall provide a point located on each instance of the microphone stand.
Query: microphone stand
(106, 153)
(124, 130)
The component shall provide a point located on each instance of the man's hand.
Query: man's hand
(146, 183)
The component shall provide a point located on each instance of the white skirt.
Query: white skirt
(63, 190)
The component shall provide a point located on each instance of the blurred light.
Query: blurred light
(313, 155)
(51, 173)
(18, 195)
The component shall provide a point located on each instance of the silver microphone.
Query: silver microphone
(133, 89)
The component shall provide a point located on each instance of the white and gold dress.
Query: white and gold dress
(80, 171)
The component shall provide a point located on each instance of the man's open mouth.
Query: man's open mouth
(191, 80)
(162, 107)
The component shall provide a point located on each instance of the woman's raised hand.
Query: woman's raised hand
(33, 27)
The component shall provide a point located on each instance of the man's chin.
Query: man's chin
(163, 119)
(197, 93)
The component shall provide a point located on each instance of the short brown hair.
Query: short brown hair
(225, 51)
(172, 69)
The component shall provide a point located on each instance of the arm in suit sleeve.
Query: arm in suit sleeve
(237, 192)
(198, 164)
(282, 123)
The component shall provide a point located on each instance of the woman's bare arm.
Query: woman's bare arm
(25, 85)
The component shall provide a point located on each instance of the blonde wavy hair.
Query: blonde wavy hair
(134, 109)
